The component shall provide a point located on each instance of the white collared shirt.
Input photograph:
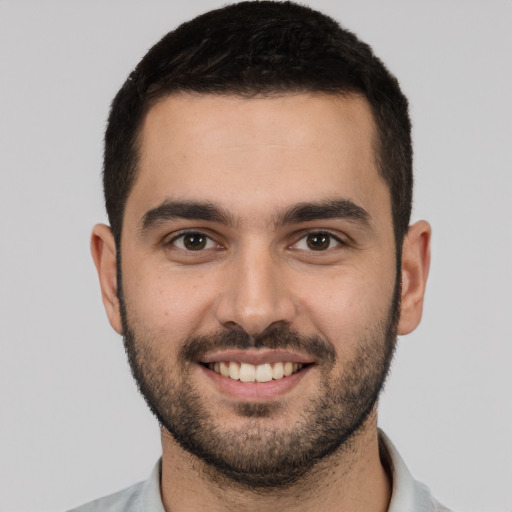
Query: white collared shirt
(408, 495)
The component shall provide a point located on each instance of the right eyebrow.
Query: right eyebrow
(193, 210)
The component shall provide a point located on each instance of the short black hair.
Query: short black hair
(260, 48)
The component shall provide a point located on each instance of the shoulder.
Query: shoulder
(126, 500)
(141, 497)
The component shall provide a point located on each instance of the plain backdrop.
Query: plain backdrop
(72, 425)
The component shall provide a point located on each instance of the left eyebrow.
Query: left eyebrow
(329, 209)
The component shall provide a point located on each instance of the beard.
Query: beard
(256, 454)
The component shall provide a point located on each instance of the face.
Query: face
(259, 289)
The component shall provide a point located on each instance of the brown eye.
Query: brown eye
(318, 241)
(193, 241)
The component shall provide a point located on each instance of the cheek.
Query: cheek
(348, 306)
(166, 302)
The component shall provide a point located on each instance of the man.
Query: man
(259, 262)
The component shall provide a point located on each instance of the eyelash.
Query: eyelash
(319, 234)
(183, 234)
(331, 238)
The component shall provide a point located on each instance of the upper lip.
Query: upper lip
(255, 356)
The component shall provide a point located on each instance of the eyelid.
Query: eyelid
(170, 241)
(339, 241)
(336, 238)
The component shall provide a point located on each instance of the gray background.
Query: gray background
(72, 426)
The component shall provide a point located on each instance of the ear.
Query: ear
(415, 266)
(103, 249)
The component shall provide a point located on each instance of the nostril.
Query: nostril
(233, 326)
(254, 304)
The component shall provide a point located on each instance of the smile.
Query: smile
(246, 372)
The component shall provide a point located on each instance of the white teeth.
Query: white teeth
(246, 372)
(263, 373)
(234, 370)
(224, 369)
(278, 371)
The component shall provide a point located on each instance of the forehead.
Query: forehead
(257, 154)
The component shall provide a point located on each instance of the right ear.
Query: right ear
(103, 249)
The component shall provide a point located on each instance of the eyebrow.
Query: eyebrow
(170, 210)
(328, 209)
(193, 210)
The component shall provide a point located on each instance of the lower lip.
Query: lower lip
(255, 391)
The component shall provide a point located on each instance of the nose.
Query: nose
(255, 295)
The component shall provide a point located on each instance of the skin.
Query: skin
(256, 158)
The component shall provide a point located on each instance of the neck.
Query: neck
(352, 479)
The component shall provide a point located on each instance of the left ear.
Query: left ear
(415, 266)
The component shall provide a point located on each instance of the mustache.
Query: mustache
(281, 338)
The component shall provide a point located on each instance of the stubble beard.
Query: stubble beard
(257, 455)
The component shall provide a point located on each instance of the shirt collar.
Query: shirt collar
(150, 498)
(407, 493)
